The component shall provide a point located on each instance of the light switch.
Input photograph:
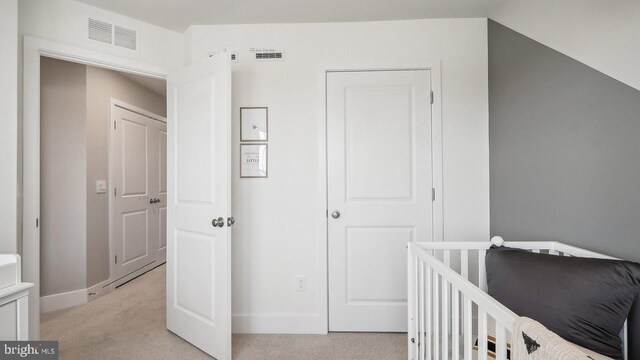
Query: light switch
(101, 186)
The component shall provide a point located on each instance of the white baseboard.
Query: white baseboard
(63, 300)
(278, 324)
(78, 297)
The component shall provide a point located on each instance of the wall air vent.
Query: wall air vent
(113, 34)
(125, 38)
(268, 55)
(100, 31)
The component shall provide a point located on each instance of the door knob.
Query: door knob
(219, 222)
(230, 221)
(335, 214)
(151, 201)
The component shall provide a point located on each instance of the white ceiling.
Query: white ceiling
(179, 14)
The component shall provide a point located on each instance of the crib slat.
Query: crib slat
(436, 315)
(417, 263)
(455, 324)
(482, 272)
(625, 343)
(501, 342)
(421, 292)
(468, 329)
(464, 264)
(445, 320)
(428, 315)
(482, 334)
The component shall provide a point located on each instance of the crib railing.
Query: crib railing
(450, 315)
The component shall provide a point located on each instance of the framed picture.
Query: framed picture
(254, 161)
(254, 124)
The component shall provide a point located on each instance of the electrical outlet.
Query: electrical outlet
(301, 283)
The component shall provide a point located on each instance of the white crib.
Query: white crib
(448, 307)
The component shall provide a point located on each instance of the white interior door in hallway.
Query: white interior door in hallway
(379, 169)
(139, 144)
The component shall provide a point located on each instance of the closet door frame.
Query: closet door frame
(113, 281)
(434, 65)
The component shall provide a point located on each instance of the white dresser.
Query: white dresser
(14, 300)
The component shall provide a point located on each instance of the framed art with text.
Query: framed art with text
(254, 161)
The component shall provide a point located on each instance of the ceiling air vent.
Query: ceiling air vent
(100, 31)
(125, 38)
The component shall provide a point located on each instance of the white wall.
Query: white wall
(276, 234)
(9, 125)
(601, 34)
(66, 21)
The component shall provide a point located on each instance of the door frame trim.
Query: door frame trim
(434, 66)
(113, 103)
(33, 49)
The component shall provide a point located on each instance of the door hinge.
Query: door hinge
(115, 126)
(432, 97)
(433, 194)
(115, 191)
(116, 259)
(327, 213)
(37, 222)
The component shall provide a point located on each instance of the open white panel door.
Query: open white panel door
(199, 171)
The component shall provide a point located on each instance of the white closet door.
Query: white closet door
(199, 254)
(136, 148)
(379, 193)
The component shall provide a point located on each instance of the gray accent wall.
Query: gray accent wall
(564, 149)
(564, 144)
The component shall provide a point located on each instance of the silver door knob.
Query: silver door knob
(335, 214)
(230, 221)
(219, 222)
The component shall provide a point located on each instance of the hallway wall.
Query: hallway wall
(102, 85)
(63, 193)
(74, 154)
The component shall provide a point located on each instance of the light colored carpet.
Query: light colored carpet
(129, 323)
